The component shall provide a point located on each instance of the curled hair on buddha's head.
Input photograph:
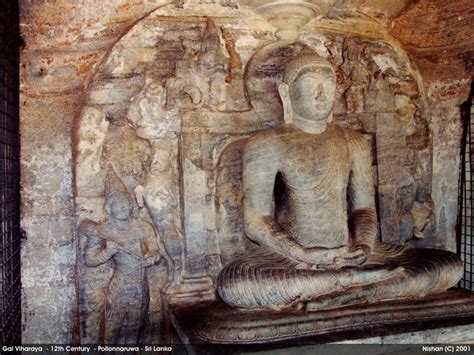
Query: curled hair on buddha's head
(304, 64)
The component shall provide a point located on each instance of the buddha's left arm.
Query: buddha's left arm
(363, 220)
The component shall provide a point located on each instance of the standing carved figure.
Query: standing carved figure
(131, 245)
(309, 204)
(159, 193)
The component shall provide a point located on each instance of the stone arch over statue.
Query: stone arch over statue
(169, 107)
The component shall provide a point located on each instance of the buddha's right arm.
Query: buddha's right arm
(264, 231)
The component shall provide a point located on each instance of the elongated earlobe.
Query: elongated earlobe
(284, 92)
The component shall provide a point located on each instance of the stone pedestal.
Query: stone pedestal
(218, 324)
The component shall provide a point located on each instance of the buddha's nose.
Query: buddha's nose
(320, 95)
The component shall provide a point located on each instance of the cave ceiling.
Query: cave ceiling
(437, 34)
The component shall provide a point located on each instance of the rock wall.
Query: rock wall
(441, 49)
(93, 78)
(64, 43)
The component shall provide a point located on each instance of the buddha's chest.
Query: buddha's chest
(309, 163)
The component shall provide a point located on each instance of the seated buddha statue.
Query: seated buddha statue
(309, 206)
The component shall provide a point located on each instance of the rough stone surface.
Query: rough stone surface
(456, 335)
(444, 36)
(442, 51)
(447, 131)
(64, 42)
(49, 253)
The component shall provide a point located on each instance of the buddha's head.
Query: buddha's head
(308, 88)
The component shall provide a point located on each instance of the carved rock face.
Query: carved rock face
(148, 114)
(175, 102)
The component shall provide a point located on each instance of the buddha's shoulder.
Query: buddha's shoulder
(272, 137)
(355, 139)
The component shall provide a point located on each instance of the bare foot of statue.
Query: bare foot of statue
(357, 276)
(353, 295)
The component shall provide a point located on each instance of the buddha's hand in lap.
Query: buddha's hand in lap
(356, 255)
(333, 258)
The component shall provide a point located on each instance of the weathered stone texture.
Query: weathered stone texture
(445, 99)
(48, 313)
(49, 253)
(64, 41)
(442, 50)
(457, 335)
(446, 27)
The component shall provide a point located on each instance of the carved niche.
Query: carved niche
(171, 107)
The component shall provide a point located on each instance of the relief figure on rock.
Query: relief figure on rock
(309, 205)
(159, 192)
(131, 244)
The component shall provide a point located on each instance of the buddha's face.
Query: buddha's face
(312, 94)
